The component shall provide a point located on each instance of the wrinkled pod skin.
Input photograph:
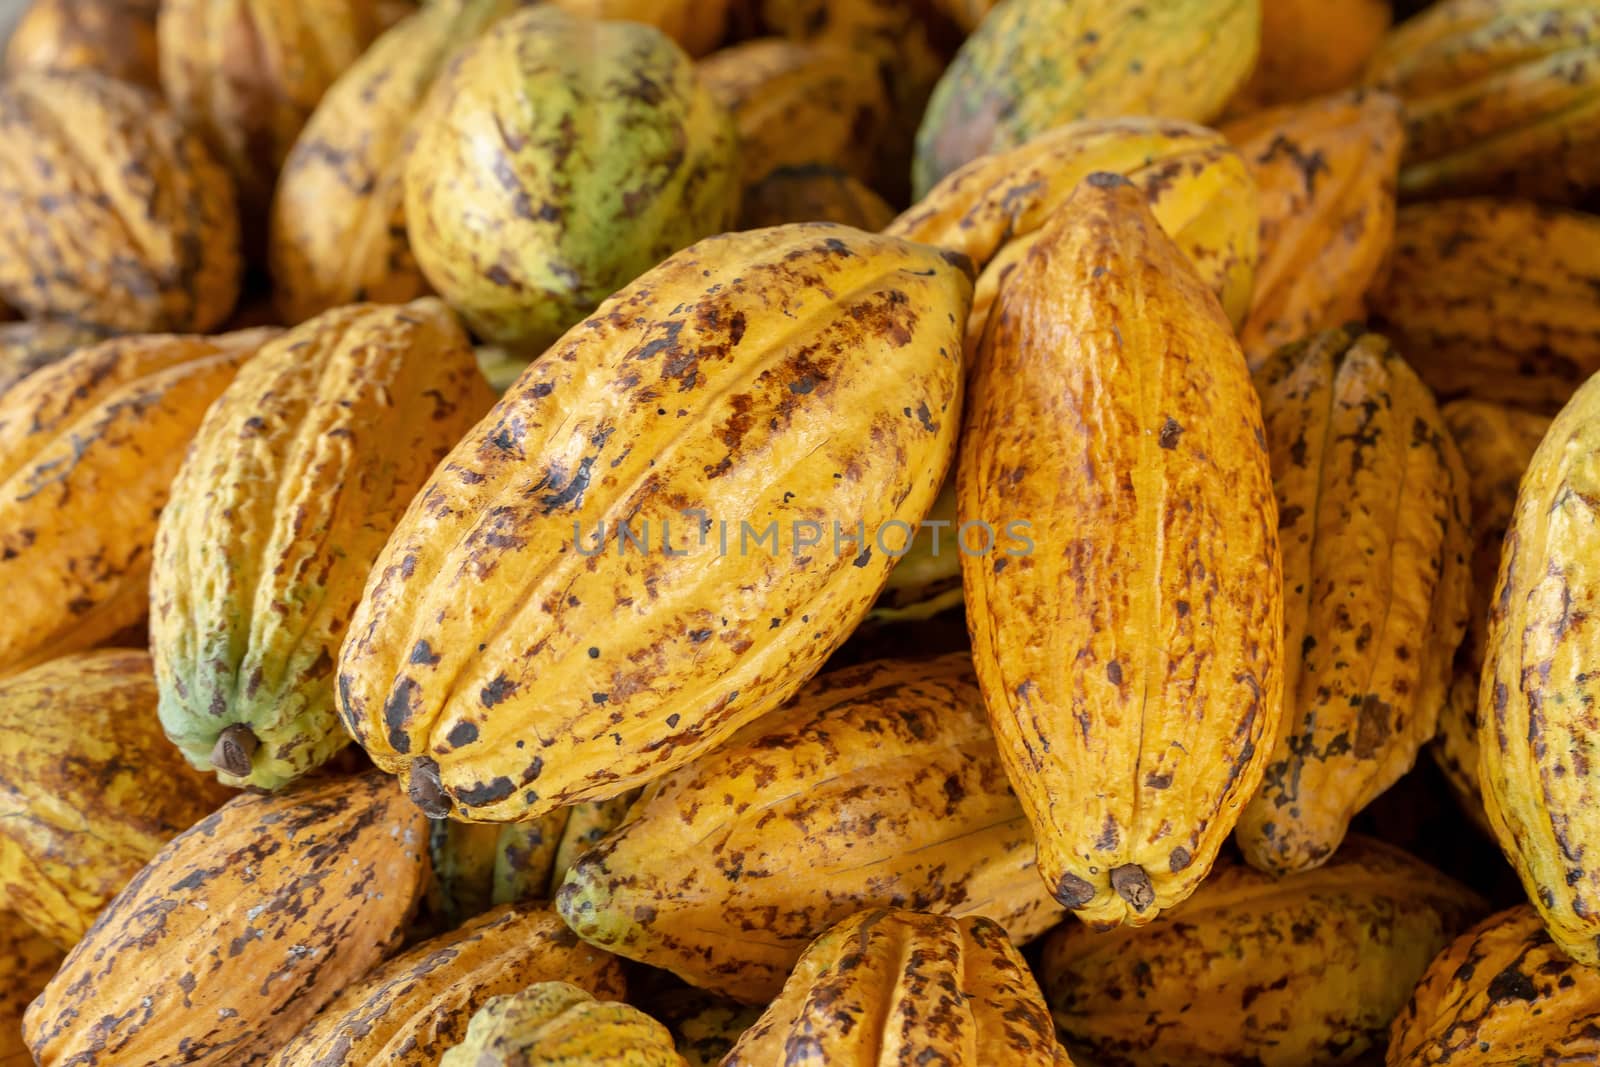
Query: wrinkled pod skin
(555, 1023)
(27, 961)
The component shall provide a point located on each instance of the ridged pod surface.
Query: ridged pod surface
(1495, 299)
(1325, 172)
(1302, 971)
(557, 1024)
(1032, 65)
(1502, 97)
(235, 935)
(114, 37)
(27, 961)
(696, 25)
(1197, 185)
(812, 194)
(27, 346)
(298, 475)
(1130, 658)
(582, 666)
(1496, 445)
(88, 449)
(338, 215)
(1311, 47)
(526, 207)
(410, 1010)
(891, 988)
(114, 216)
(89, 789)
(1538, 747)
(1501, 995)
(877, 786)
(1372, 517)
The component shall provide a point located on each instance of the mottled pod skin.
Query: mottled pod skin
(811, 194)
(1502, 97)
(1131, 658)
(338, 216)
(696, 25)
(27, 961)
(1496, 445)
(1032, 65)
(79, 752)
(238, 931)
(877, 786)
(1372, 518)
(512, 655)
(557, 1024)
(27, 346)
(1494, 299)
(410, 1010)
(1198, 186)
(704, 1027)
(1303, 971)
(298, 475)
(88, 449)
(1537, 757)
(112, 215)
(1325, 172)
(1501, 995)
(114, 37)
(526, 208)
(890, 988)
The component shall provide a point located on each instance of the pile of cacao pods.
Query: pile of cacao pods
(800, 532)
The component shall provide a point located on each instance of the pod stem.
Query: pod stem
(426, 789)
(236, 747)
(1133, 885)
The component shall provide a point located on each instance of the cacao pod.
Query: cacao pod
(27, 346)
(526, 243)
(704, 1027)
(1131, 658)
(79, 750)
(812, 194)
(27, 961)
(116, 217)
(1302, 971)
(114, 37)
(408, 1011)
(899, 987)
(927, 579)
(580, 669)
(1032, 65)
(967, 14)
(696, 25)
(1311, 47)
(299, 473)
(238, 931)
(876, 786)
(88, 448)
(1496, 445)
(1372, 519)
(554, 1022)
(1325, 171)
(1501, 995)
(1495, 300)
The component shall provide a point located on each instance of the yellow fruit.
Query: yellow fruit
(697, 25)
(811, 194)
(1311, 47)
(26, 963)
(114, 37)
(556, 1024)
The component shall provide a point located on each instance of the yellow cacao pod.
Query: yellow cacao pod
(1130, 658)
(27, 961)
(1311, 47)
(696, 25)
(927, 579)
(557, 1024)
(113, 37)
(27, 346)
(809, 194)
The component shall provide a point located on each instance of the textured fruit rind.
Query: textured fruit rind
(113, 37)
(1538, 744)
(876, 786)
(811, 194)
(583, 667)
(1307, 969)
(1372, 518)
(233, 937)
(27, 961)
(557, 1024)
(1131, 658)
(524, 205)
(704, 1027)
(1311, 47)
(297, 476)
(902, 987)
(1032, 65)
(27, 346)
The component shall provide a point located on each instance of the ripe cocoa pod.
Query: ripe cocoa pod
(927, 579)
(891, 793)
(898, 987)
(1495, 300)
(812, 194)
(1501, 995)
(116, 217)
(1130, 659)
(27, 346)
(113, 37)
(967, 14)
(1301, 971)
(1033, 65)
(238, 931)
(408, 1011)
(704, 1027)
(1372, 519)
(587, 825)
(1310, 47)
(528, 242)
(88, 448)
(696, 25)
(1496, 445)
(79, 751)
(558, 1023)
(1325, 171)
(1535, 759)
(993, 209)
(27, 961)
(1502, 97)
(298, 475)
(583, 667)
